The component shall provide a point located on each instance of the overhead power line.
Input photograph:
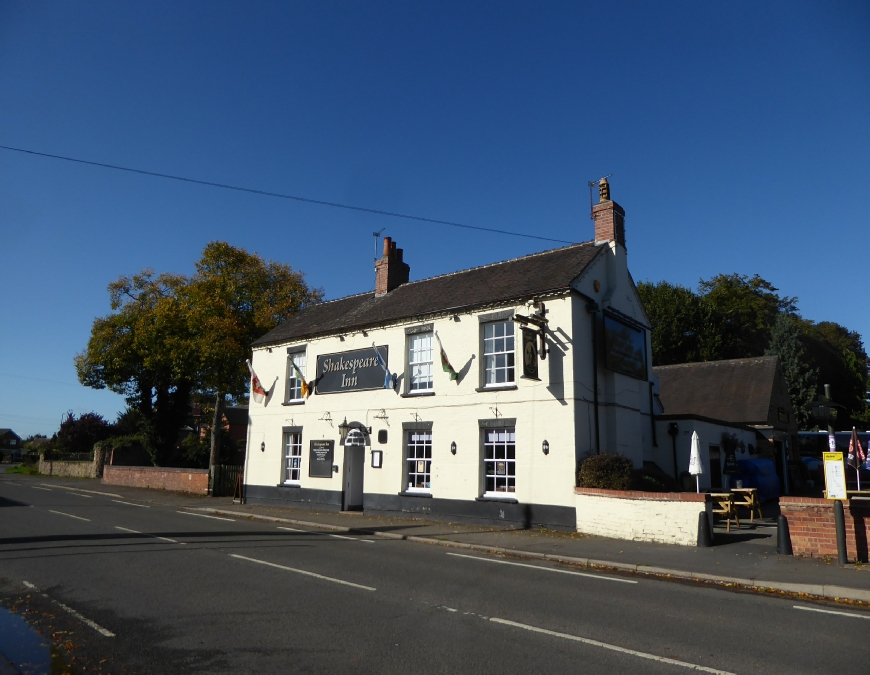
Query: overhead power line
(283, 196)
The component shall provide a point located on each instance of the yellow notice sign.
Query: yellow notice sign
(835, 475)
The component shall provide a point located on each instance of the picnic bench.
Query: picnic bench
(747, 498)
(723, 505)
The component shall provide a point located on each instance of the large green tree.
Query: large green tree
(786, 341)
(170, 337)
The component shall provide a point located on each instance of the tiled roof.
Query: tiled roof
(480, 286)
(736, 390)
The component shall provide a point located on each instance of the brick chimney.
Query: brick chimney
(390, 271)
(608, 216)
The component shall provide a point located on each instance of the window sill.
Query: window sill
(424, 495)
(507, 387)
(289, 485)
(493, 498)
(415, 394)
(299, 402)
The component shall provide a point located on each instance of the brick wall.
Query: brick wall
(159, 478)
(662, 517)
(812, 528)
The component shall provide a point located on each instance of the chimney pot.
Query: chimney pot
(609, 217)
(390, 271)
(387, 241)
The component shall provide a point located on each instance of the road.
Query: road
(185, 592)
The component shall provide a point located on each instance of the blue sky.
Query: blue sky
(737, 133)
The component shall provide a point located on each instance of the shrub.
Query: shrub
(608, 472)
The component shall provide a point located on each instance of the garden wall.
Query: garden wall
(662, 517)
(159, 478)
(92, 469)
(813, 531)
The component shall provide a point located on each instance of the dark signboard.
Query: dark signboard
(624, 348)
(730, 468)
(321, 459)
(530, 354)
(350, 371)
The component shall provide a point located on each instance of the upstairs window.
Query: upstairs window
(498, 353)
(420, 362)
(294, 382)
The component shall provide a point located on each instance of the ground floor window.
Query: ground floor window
(418, 461)
(499, 461)
(292, 457)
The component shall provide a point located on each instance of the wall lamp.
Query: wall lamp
(453, 448)
(263, 446)
(545, 446)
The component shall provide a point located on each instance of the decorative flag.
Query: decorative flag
(856, 455)
(389, 378)
(305, 388)
(445, 362)
(257, 390)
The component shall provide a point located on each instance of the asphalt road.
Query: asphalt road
(180, 592)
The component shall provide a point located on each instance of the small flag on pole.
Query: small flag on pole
(445, 362)
(305, 388)
(257, 391)
(856, 455)
(389, 378)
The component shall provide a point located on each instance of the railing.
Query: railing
(223, 480)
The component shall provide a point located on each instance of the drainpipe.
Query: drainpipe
(592, 308)
(673, 430)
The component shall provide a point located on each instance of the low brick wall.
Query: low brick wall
(813, 531)
(159, 478)
(662, 517)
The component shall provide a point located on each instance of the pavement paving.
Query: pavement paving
(746, 557)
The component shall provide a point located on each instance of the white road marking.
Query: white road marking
(293, 529)
(75, 489)
(202, 515)
(143, 506)
(615, 648)
(545, 569)
(39, 488)
(449, 609)
(76, 494)
(310, 574)
(126, 529)
(339, 536)
(97, 627)
(830, 611)
(69, 515)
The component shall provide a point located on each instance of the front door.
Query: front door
(354, 463)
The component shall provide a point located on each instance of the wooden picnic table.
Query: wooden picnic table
(723, 505)
(748, 497)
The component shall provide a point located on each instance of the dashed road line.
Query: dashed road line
(93, 624)
(615, 648)
(830, 611)
(293, 529)
(69, 515)
(306, 573)
(545, 569)
(147, 534)
(142, 506)
(76, 494)
(202, 515)
(36, 487)
(75, 489)
(339, 536)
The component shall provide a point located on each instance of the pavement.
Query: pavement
(745, 557)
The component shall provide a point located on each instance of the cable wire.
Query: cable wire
(283, 196)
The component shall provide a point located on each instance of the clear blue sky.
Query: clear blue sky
(737, 133)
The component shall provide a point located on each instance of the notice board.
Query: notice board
(320, 459)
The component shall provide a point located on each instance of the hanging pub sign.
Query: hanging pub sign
(351, 371)
(530, 354)
(321, 458)
(624, 348)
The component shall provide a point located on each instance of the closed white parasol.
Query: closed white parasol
(695, 466)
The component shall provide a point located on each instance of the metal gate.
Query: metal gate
(224, 479)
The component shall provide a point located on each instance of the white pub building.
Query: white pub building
(466, 396)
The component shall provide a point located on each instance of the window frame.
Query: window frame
(288, 434)
(510, 462)
(426, 438)
(409, 364)
(484, 370)
(292, 382)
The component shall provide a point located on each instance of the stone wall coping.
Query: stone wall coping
(639, 494)
(113, 467)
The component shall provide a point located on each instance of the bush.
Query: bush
(607, 472)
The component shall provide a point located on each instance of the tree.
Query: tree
(234, 298)
(677, 319)
(802, 378)
(171, 336)
(80, 435)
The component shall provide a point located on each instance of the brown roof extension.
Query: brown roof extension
(501, 282)
(736, 390)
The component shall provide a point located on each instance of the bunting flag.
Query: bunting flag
(389, 378)
(257, 391)
(445, 362)
(306, 388)
(856, 452)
